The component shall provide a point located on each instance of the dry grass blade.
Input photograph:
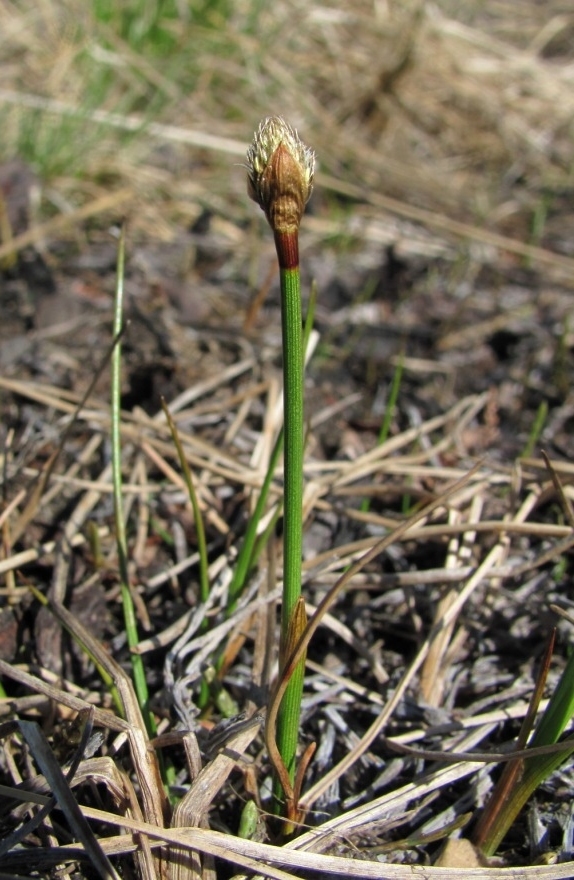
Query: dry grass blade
(53, 789)
(491, 814)
(60, 788)
(433, 670)
(263, 858)
(378, 725)
(19, 560)
(154, 803)
(102, 717)
(443, 223)
(101, 205)
(311, 628)
(13, 840)
(192, 810)
(133, 123)
(480, 757)
(38, 491)
(557, 483)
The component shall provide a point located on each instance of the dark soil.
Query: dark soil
(192, 311)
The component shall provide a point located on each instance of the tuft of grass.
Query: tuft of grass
(146, 27)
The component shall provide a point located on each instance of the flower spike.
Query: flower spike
(280, 170)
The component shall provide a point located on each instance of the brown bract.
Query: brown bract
(280, 171)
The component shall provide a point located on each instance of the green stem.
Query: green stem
(130, 623)
(251, 546)
(280, 170)
(288, 719)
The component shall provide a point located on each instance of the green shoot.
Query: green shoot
(246, 554)
(138, 670)
(280, 176)
(536, 430)
(199, 531)
(197, 515)
(388, 417)
(523, 776)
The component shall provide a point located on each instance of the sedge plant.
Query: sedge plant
(280, 171)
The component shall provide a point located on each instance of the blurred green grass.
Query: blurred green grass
(442, 108)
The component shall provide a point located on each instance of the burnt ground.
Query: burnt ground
(485, 344)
